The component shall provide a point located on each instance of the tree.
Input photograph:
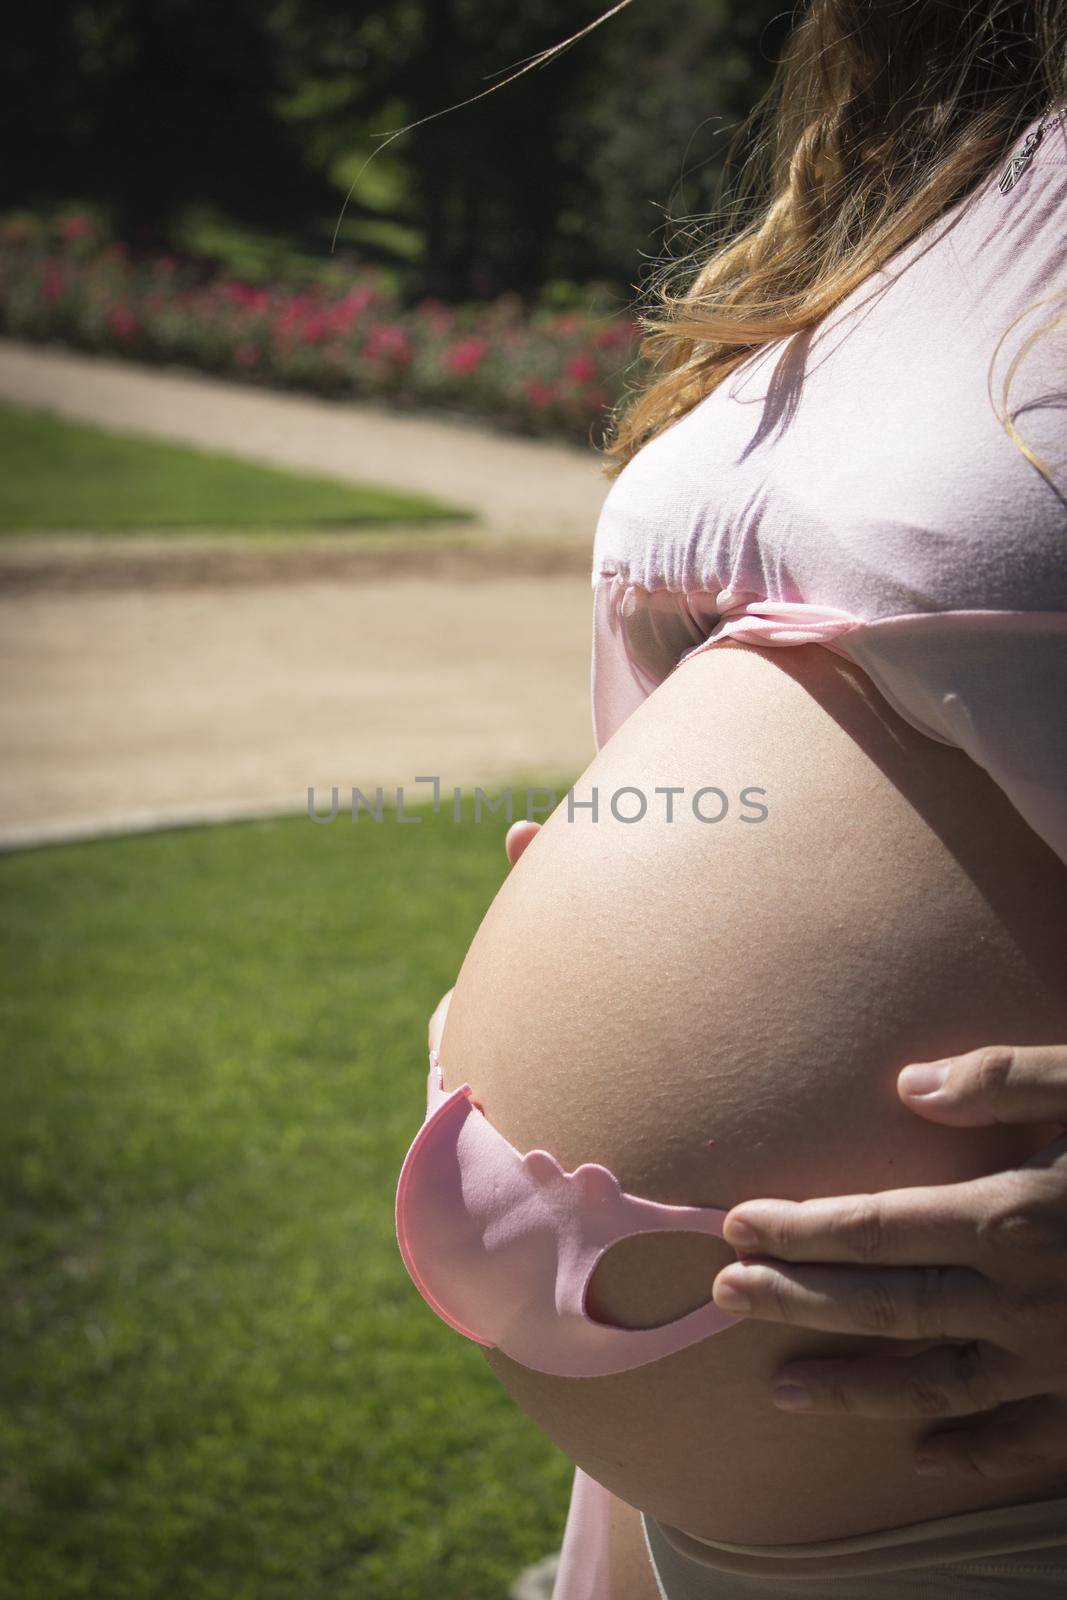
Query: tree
(259, 109)
(645, 142)
(149, 105)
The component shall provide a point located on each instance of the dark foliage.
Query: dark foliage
(147, 107)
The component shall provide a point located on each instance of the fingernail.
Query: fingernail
(729, 1298)
(791, 1397)
(740, 1235)
(929, 1467)
(925, 1079)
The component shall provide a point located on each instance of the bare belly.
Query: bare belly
(638, 989)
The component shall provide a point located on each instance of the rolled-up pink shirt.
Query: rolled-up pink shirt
(853, 486)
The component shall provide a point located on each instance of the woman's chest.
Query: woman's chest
(862, 465)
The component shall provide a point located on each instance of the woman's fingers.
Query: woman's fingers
(982, 1264)
(917, 1226)
(518, 837)
(1013, 1432)
(951, 1222)
(948, 1380)
(998, 1083)
(906, 1303)
(1020, 1440)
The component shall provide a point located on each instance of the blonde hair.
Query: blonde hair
(880, 117)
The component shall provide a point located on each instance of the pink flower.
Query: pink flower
(50, 277)
(357, 300)
(346, 312)
(71, 229)
(388, 342)
(541, 395)
(244, 295)
(615, 333)
(246, 355)
(122, 322)
(582, 368)
(315, 327)
(467, 356)
(436, 315)
(342, 317)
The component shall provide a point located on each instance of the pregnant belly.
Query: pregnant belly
(638, 989)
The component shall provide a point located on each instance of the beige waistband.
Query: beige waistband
(1037, 1524)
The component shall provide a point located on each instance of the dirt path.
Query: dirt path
(124, 710)
(520, 488)
(160, 680)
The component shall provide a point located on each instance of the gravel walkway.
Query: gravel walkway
(162, 681)
(125, 710)
(520, 488)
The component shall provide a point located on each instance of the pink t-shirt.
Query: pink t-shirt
(852, 485)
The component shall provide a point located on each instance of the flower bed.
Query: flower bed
(541, 371)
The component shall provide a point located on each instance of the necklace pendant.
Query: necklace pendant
(1019, 163)
(1013, 172)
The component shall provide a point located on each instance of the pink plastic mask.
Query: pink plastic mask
(502, 1246)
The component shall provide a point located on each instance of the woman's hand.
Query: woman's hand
(518, 837)
(515, 841)
(977, 1271)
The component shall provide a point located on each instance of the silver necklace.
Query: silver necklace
(1018, 163)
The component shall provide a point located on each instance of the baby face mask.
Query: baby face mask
(502, 1246)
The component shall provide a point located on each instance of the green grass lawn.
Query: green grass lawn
(57, 475)
(217, 1380)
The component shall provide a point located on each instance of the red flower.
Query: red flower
(541, 395)
(357, 300)
(315, 327)
(122, 322)
(344, 315)
(582, 368)
(615, 333)
(467, 356)
(51, 283)
(71, 229)
(436, 315)
(245, 296)
(388, 342)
